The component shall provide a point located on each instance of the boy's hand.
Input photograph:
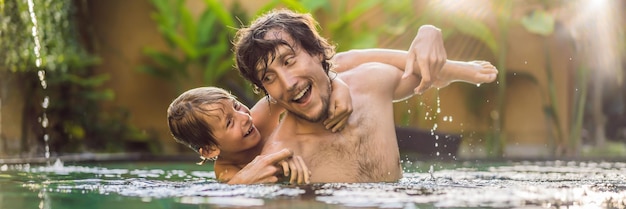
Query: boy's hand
(340, 106)
(263, 169)
(428, 54)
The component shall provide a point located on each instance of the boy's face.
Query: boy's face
(296, 80)
(232, 126)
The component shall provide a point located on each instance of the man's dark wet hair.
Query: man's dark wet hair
(252, 50)
(186, 116)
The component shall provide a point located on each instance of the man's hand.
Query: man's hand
(428, 54)
(263, 169)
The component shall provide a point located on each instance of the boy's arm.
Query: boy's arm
(425, 58)
(224, 173)
(350, 59)
(340, 106)
(263, 169)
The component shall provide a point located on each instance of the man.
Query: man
(282, 54)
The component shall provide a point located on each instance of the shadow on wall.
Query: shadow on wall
(438, 146)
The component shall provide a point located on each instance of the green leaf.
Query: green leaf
(356, 12)
(154, 71)
(539, 22)
(221, 12)
(366, 40)
(93, 81)
(476, 29)
(188, 25)
(206, 24)
(313, 5)
(295, 6)
(166, 60)
(184, 44)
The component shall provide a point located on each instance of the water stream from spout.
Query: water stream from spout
(41, 73)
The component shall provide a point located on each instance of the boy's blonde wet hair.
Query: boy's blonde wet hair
(186, 116)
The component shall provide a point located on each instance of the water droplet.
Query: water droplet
(436, 144)
(46, 102)
(44, 121)
(478, 85)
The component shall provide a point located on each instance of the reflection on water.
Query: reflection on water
(519, 185)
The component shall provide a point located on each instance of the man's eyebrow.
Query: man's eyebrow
(279, 54)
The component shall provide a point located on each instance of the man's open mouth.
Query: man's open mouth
(304, 93)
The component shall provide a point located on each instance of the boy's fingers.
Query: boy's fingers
(285, 167)
(331, 112)
(408, 68)
(305, 170)
(340, 125)
(426, 81)
(294, 174)
(274, 158)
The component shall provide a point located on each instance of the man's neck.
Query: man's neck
(302, 126)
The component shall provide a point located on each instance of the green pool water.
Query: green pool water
(458, 184)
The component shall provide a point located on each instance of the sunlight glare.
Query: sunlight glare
(478, 9)
(596, 27)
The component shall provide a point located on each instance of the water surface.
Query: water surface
(550, 184)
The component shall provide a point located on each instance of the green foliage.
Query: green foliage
(41, 40)
(539, 22)
(201, 43)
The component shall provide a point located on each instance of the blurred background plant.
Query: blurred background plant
(197, 46)
(197, 38)
(41, 50)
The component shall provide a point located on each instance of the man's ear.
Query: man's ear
(209, 151)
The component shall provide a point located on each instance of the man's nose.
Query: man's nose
(287, 80)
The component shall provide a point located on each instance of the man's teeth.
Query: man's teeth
(301, 94)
